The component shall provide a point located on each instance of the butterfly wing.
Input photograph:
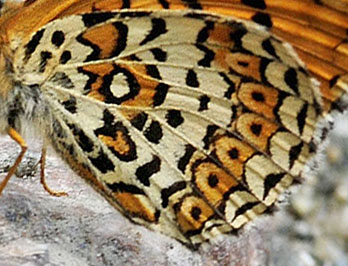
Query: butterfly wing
(318, 32)
(189, 123)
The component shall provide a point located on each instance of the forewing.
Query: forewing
(317, 31)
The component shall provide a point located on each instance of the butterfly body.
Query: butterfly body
(188, 122)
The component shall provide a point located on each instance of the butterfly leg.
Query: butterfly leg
(42, 175)
(17, 138)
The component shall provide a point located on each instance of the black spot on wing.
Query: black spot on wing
(243, 63)
(291, 79)
(258, 96)
(185, 159)
(244, 208)
(153, 72)
(204, 33)
(269, 48)
(144, 172)
(231, 86)
(203, 103)
(213, 180)
(260, 4)
(270, 182)
(134, 58)
(301, 118)
(158, 28)
(154, 132)
(256, 129)
(58, 38)
(70, 105)
(196, 213)
(264, 63)
(281, 97)
(31, 46)
(139, 121)
(102, 162)
(167, 192)
(294, 152)
(159, 54)
(122, 38)
(174, 118)
(65, 57)
(211, 129)
(262, 19)
(237, 35)
(45, 56)
(91, 19)
(191, 79)
(123, 187)
(209, 56)
(85, 143)
(161, 94)
(233, 153)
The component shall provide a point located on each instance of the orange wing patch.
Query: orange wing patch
(259, 98)
(233, 154)
(256, 129)
(137, 206)
(105, 37)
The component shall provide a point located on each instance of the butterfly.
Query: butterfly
(189, 117)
